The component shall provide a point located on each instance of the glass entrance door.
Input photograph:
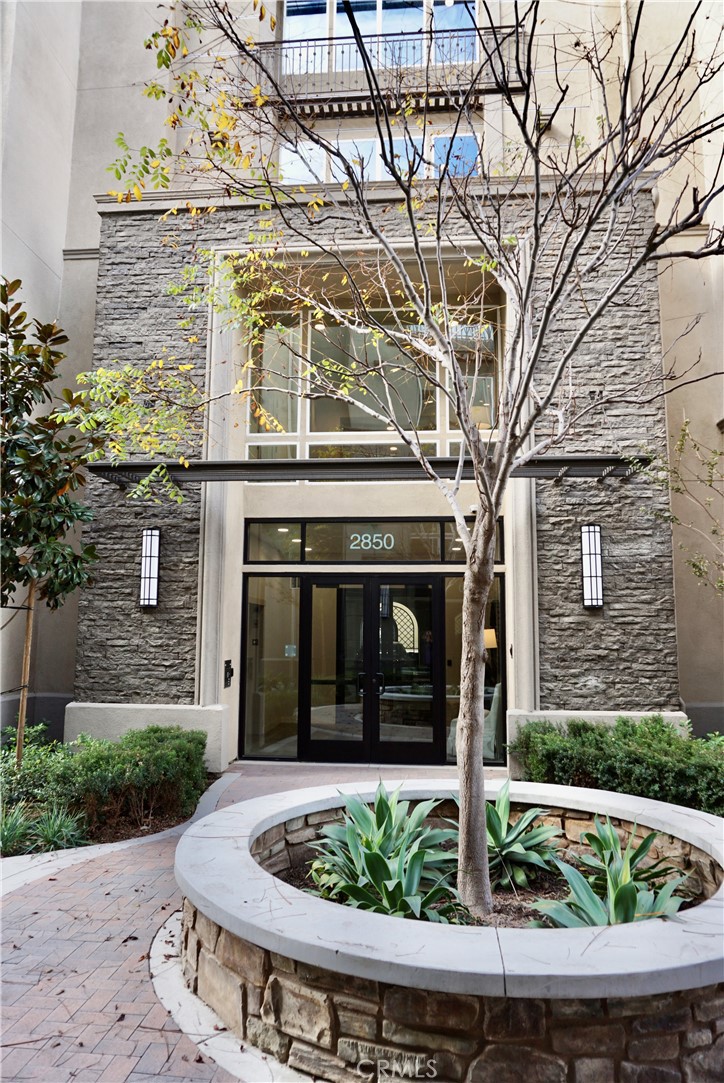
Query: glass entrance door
(371, 670)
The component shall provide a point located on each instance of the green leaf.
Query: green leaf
(624, 903)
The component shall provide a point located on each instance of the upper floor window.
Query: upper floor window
(458, 155)
(327, 18)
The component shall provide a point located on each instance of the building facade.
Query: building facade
(321, 619)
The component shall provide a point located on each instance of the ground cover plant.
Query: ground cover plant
(94, 790)
(647, 758)
(25, 829)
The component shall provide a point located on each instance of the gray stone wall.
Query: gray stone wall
(129, 654)
(624, 655)
(125, 653)
(621, 657)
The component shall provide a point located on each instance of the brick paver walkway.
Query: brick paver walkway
(78, 1002)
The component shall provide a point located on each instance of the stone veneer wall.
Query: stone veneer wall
(624, 655)
(341, 1028)
(621, 657)
(127, 653)
(338, 1027)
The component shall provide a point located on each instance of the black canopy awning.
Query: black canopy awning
(543, 468)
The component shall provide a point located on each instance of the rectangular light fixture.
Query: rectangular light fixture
(149, 566)
(591, 567)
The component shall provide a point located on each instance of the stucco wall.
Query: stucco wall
(111, 722)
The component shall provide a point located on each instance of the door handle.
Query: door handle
(380, 682)
(360, 689)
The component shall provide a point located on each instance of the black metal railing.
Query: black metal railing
(436, 63)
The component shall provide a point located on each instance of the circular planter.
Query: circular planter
(326, 987)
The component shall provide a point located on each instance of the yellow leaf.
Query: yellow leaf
(273, 22)
(345, 186)
(246, 162)
(155, 163)
(137, 192)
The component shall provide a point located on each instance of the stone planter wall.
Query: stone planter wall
(343, 995)
(339, 1027)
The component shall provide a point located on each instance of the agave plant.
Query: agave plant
(388, 860)
(608, 856)
(624, 901)
(516, 850)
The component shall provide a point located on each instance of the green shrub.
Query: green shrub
(649, 758)
(157, 771)
(32, 782)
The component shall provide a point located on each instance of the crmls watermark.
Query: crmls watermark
(404, 1068)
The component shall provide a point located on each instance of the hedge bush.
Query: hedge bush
(157, 771)
(32, 782)
(648, 758)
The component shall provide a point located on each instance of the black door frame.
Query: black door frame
(371, 749)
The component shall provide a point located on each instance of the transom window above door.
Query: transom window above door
(390, 390)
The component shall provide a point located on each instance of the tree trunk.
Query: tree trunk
(473, 872)
(25, 677)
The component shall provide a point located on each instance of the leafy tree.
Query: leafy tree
(544, 219)
(150, 409)
(41, 470)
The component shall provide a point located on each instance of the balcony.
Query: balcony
(326, 77)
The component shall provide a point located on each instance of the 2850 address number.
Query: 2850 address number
(372, 541)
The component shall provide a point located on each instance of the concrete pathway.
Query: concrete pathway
(78, 1003)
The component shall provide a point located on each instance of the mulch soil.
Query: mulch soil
(129, 828)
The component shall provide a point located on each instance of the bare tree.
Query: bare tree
(465, 269)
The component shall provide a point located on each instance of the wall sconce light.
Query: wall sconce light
(591, 567)
(150, 548)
